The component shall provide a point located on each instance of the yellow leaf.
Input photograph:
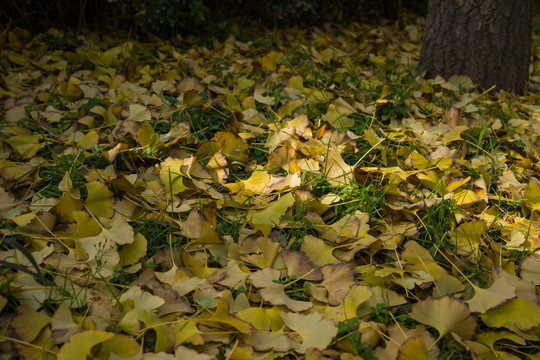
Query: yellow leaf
(89, 140)
(101, 254)
(431, 179)
(496, 294)
(255, 185)
(131, 253)
(454, 134)
(272, 291)
(518, 312)
(123, 346)
(336, 117)
(147, 137)
(131, 324)
(269, 61)
(99, 199)
(70, 91)
(222, 316)
(338, 173)
(466, 198)
(314, 331)
(141, 299)
(419, 161)
(338, 279)
(399, 335)
(299, 266)
(381, 296)
(318, 251)
(262, 318)
(118, 230)
(62, 324)
(139, 113)
(414, 349)
(25, 145)
(187, 332)
(456, 183)
(171, 175)
(445, 314)
(530, 269)
(468, 236)
(532, 195)
(272, 341)
(268, 218)
(86, 226)
(80, 345)
(28, 323)
(356, 296)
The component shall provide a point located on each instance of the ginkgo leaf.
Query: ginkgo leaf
(28, 323)
(468, 236)
(141, 299)
(490, 338)
(399, 335)
(337, 118)
(338, 279)
(254, 185)
(485, 353)
(221, 315)
(532, 195)
(262, 318)
(381, 296)
(62, 324)
(299, 266)
(131, 253)
(101, 254)
(139, 113)
(70, 91)
(530, 269)
(235, 276)
(121, 345)
(187, 332)
(131, 324)
(266, 219)
(274, 341)
(89, 140)
(518, 312)
(314, 331)
(414, 349)
(496, 294)
(445, 314)
(171, 175)
(318, 252)
(270, 60)
(118, 230)
(185, 353)
(273, 291)
(99, 199)
(338, 173)
(356, 296)
(80, 345)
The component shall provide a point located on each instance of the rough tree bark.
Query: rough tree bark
(486, 40)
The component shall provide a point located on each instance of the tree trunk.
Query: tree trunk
(486, 40)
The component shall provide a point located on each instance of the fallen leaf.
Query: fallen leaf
(80, 345)
(518, 312)
(445, 314)
(496, 294)
(314, 331)
(273, 291)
